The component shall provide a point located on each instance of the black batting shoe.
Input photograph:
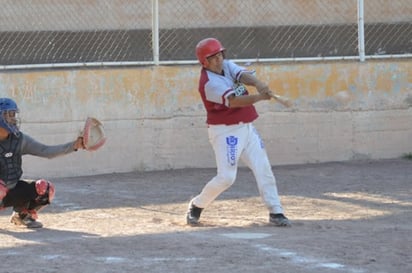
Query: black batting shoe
(279, 220)
(193, 215)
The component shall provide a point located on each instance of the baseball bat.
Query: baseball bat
(282, 100)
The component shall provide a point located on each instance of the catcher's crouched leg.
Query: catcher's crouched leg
(27, 215)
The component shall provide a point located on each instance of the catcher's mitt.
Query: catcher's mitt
(93, 134)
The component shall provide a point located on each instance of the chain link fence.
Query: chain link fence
(58, 33)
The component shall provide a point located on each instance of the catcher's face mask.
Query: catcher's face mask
(9, 116)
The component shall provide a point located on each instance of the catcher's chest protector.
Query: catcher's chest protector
(10, 159)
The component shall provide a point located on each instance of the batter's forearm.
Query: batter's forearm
(250, 79)
(242, 101)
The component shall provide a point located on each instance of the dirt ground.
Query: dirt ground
(351, 217)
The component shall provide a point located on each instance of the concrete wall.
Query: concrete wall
(155, 120)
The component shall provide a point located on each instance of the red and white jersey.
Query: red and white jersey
(215, 90)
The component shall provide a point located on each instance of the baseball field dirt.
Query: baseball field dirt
(353, 217)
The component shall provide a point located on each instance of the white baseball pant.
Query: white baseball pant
(231, 143)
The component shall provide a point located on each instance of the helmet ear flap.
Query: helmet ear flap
(205, 63)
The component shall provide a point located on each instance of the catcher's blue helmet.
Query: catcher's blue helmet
(8, 115)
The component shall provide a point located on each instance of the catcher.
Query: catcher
(26, 197)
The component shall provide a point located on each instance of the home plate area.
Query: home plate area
(351, 217)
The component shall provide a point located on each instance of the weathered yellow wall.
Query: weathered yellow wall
(155, 120)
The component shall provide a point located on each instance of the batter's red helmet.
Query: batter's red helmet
(206, 48)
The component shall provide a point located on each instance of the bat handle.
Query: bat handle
(285, 102)
(276, 97)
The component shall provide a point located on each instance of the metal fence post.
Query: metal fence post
(361, 31)
(155, 31)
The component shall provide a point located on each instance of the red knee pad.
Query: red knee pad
(3, 190)
(44, 187)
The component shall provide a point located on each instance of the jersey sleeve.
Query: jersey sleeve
(235, 70)
(218, 91)
(33, 147)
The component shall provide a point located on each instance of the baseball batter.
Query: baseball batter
(230, 113)
(26, 197)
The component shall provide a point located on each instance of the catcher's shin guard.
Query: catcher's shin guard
(45, 191)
